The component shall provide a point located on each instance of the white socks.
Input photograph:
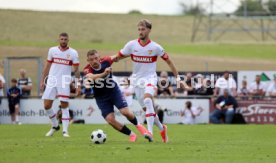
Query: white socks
(65, 119)
(150, 114)
(16, 118)
(52, 116)
(158, 123)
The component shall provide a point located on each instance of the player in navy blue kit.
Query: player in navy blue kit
(13, 95)
(107, 94)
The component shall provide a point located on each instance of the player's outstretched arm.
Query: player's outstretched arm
(180, 83)
(172, 67)
(98, 76)
(117, 58)
(45, 73)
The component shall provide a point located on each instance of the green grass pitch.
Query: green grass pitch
(201, 143)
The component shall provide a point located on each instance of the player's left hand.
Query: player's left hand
(78, 91)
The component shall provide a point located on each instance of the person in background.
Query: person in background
(225, 108)
(243, 91)
(190, 84)
(13, 95)
(2, 86)
(226, 82)
(190, 113)
(272, 88)
(257, 88)
(164, 87)
(24, 83)
(202, 86)
(127, 90)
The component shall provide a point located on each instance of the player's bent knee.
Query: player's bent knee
(110, 119)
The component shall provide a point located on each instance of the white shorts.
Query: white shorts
(149, 88)
(51, 93)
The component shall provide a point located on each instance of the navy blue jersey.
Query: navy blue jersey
(14, 90)
(104, 86)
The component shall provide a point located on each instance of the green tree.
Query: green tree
(252, 7)
(191, 10)
(271, 4)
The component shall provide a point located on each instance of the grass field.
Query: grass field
(201, 143)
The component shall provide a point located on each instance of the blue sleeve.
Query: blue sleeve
(234, 102)
(8, 93)
(219, 99)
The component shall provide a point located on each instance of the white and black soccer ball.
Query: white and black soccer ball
(98, 136)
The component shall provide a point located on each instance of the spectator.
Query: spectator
(190, 85)
(127, 90)
(257, 88)
(24, 83)
(225, 82)
(164, 87)
(13, 95)
(73, 90)
(203, 86)
(272, 88)
(243, 91)
(225, 108)
(190, 113)
(2, 86)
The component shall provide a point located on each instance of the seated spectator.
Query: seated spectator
(190, 113)
(272, 88)
(13, 95)
(127, 90)
(24, 83)
(203, 86)
(189, 84)
(225, 82)
(243, 91)
(2, 86)
(164, 87)
(257, 88)
(225, 108)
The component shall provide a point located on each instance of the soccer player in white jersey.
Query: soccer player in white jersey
(56, 78)
(144, 53)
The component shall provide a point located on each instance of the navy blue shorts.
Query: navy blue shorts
(107, 102)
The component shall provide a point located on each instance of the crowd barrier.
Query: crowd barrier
(255, 111)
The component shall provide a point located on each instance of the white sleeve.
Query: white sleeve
(234, 84)
(76, 60)
(30, 82)
(218, 83)
(161, 52)
(270, 88)
(2, 79)
(50, 56)
(251, 87)
(127, 50)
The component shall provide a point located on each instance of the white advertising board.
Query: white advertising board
(32, 111)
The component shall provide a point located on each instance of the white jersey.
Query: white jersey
(272, 88)
(144, 57)
(229, 84)
(62, 61)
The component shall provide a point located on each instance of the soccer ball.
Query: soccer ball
(98, 136)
